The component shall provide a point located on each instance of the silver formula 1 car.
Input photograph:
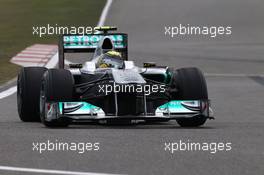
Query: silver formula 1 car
(109, 87)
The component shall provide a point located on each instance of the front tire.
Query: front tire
(191, 85)
(28, 93)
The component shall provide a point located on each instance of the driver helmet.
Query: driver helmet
(111, 59)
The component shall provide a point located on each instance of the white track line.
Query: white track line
(54, 60)
(46, 171)
(8, 92)
(104, 13)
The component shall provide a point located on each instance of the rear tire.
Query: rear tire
(28, 93)
(191, 85)
(57, 86)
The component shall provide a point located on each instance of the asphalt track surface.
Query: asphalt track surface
(237, 97)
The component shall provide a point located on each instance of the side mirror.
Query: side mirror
(149, 64)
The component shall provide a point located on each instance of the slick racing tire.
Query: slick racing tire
(191, 85)
(57, 86)
(28, 93)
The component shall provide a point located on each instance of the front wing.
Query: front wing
(83, 111)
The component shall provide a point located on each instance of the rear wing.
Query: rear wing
(89, 43)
